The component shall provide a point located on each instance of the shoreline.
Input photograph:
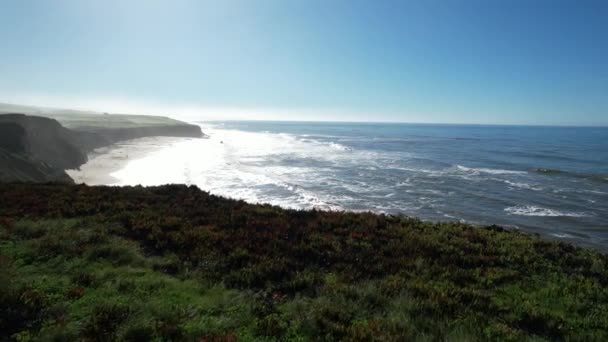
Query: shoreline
(103, 162)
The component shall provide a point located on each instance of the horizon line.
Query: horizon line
(177, 117)
(409, 123)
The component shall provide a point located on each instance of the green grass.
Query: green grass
(70, 279)
(175, 263)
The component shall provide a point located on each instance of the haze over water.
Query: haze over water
(551, 180)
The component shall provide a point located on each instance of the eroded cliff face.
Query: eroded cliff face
(40, 149)
(24, 150)
(12, 137)
(16, 167)
(44, 140)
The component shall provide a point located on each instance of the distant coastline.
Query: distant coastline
(39, 144)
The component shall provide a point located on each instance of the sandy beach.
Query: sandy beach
(103, 162)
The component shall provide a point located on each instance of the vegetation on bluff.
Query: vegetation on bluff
(175, 263)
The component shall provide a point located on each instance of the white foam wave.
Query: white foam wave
(246, 165)
(597, 192)
(338, 147)
(522, 185)
(489, 171)
(562, 236)
(531, 210)
(425, 171)
(428, 191)
(580, 191)
(389, 195)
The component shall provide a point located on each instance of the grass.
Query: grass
(70, 279)
(175, 263)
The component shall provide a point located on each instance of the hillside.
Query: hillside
(78, 118)
(43, 139)
(175, 263)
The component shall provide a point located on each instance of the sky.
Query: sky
(451, 61)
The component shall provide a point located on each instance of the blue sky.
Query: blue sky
(459, 61)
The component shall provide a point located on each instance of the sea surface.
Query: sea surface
(550, 180)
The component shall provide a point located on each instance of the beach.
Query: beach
(105, 161)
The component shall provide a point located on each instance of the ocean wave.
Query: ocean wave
(380, 196)
(428, 191)
(406, 182)
(579, 191)
(539, 155)
(597, 192)
(557, 172)
(603, 179)
(420, 160)
(522, 185)
(489, 171)
(562, 235)
(339, 147)
(296, 198)
(531, 210)
(415, 170)
(550, 171)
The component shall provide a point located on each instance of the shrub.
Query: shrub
(104, 321)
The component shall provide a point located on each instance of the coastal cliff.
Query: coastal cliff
(43, 139)
(22, 168)
(40, 149)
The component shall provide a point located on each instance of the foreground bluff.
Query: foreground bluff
(40, 149)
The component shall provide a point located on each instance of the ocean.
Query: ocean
(548, 180)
